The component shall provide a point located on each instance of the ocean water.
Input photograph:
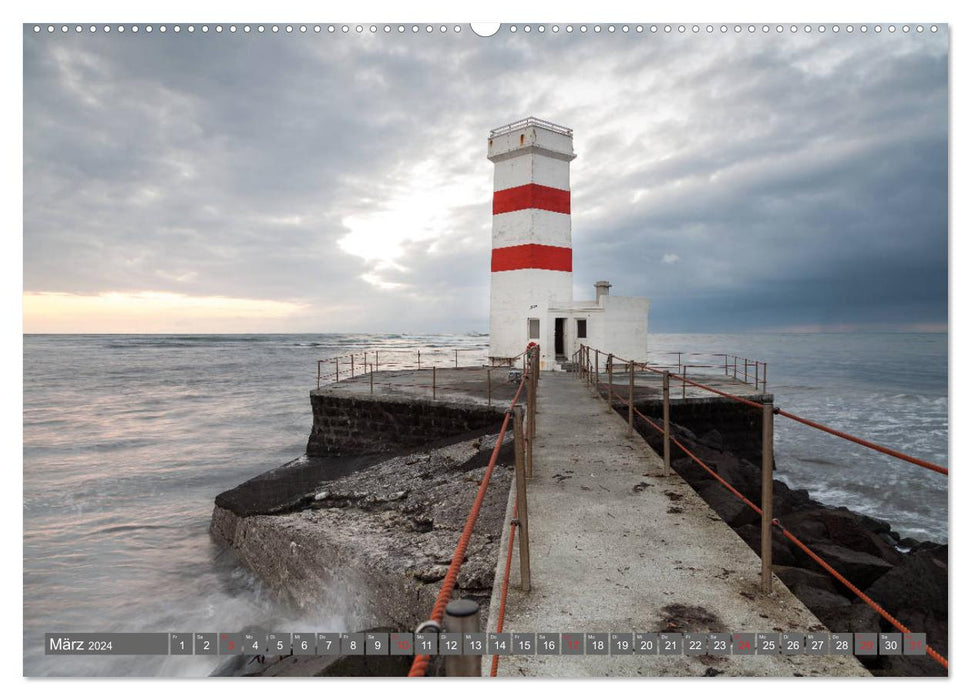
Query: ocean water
(127, 440)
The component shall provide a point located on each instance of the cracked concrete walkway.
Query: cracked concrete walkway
(617, 547)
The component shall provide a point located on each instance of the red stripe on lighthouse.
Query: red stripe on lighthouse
(532, 257)
(531, 196)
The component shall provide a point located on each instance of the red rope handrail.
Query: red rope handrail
(419, 666)
(505, 586)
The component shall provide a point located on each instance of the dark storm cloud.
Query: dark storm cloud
(739, 182)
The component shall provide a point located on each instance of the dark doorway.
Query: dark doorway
(558, 337)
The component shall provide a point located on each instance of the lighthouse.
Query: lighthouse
(531, 291)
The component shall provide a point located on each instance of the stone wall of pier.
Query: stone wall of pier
(356, 425)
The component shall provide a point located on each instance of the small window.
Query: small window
(581, 328)
(534, 329)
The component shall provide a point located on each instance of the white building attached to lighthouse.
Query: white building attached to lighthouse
(532, 257)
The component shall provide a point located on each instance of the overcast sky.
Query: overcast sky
(318, 182)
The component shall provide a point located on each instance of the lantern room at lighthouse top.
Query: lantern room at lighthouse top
(531, 136)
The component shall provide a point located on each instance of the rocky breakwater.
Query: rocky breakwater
(370, 548)
(909, 579)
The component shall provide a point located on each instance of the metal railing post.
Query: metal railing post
(726, 364)
(767, 455)
(536, 361)
(610, 382)
(318, 373)
(352, 365)
(376, 361)
(735, 367)
(746, 370)
(489, 385)
(419, 359)
(765, 371)
(596, 371)
(666, 382)
(456, 359)
(371, 375)
(531, 410)
(630, 398)
(519, 435)
(337, 369)
(462, 615)
(684, 383)
(433, 383)
(756, 375)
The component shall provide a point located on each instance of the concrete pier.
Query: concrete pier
(617, 547)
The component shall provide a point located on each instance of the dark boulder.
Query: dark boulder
(743, 475)
(807, 526)
(729, 506)
(855, 617)
(940, 549)
(688, 470)
(795, 576)
(843, 528)
(786, 501)
(908, 543)
(683, 434)
(781, 553)
(919, 583)
(713, 439)
(820, 601)
(859, 532)
(860, 568)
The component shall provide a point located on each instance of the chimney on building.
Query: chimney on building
(603, 289)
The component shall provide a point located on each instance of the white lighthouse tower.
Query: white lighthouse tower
(532, 256)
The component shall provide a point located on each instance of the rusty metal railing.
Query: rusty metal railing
(588, 360)
(530, 121)
(743, 369)
(350, 365)
(587, 363)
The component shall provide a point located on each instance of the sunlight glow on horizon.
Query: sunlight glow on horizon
(146, 312)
